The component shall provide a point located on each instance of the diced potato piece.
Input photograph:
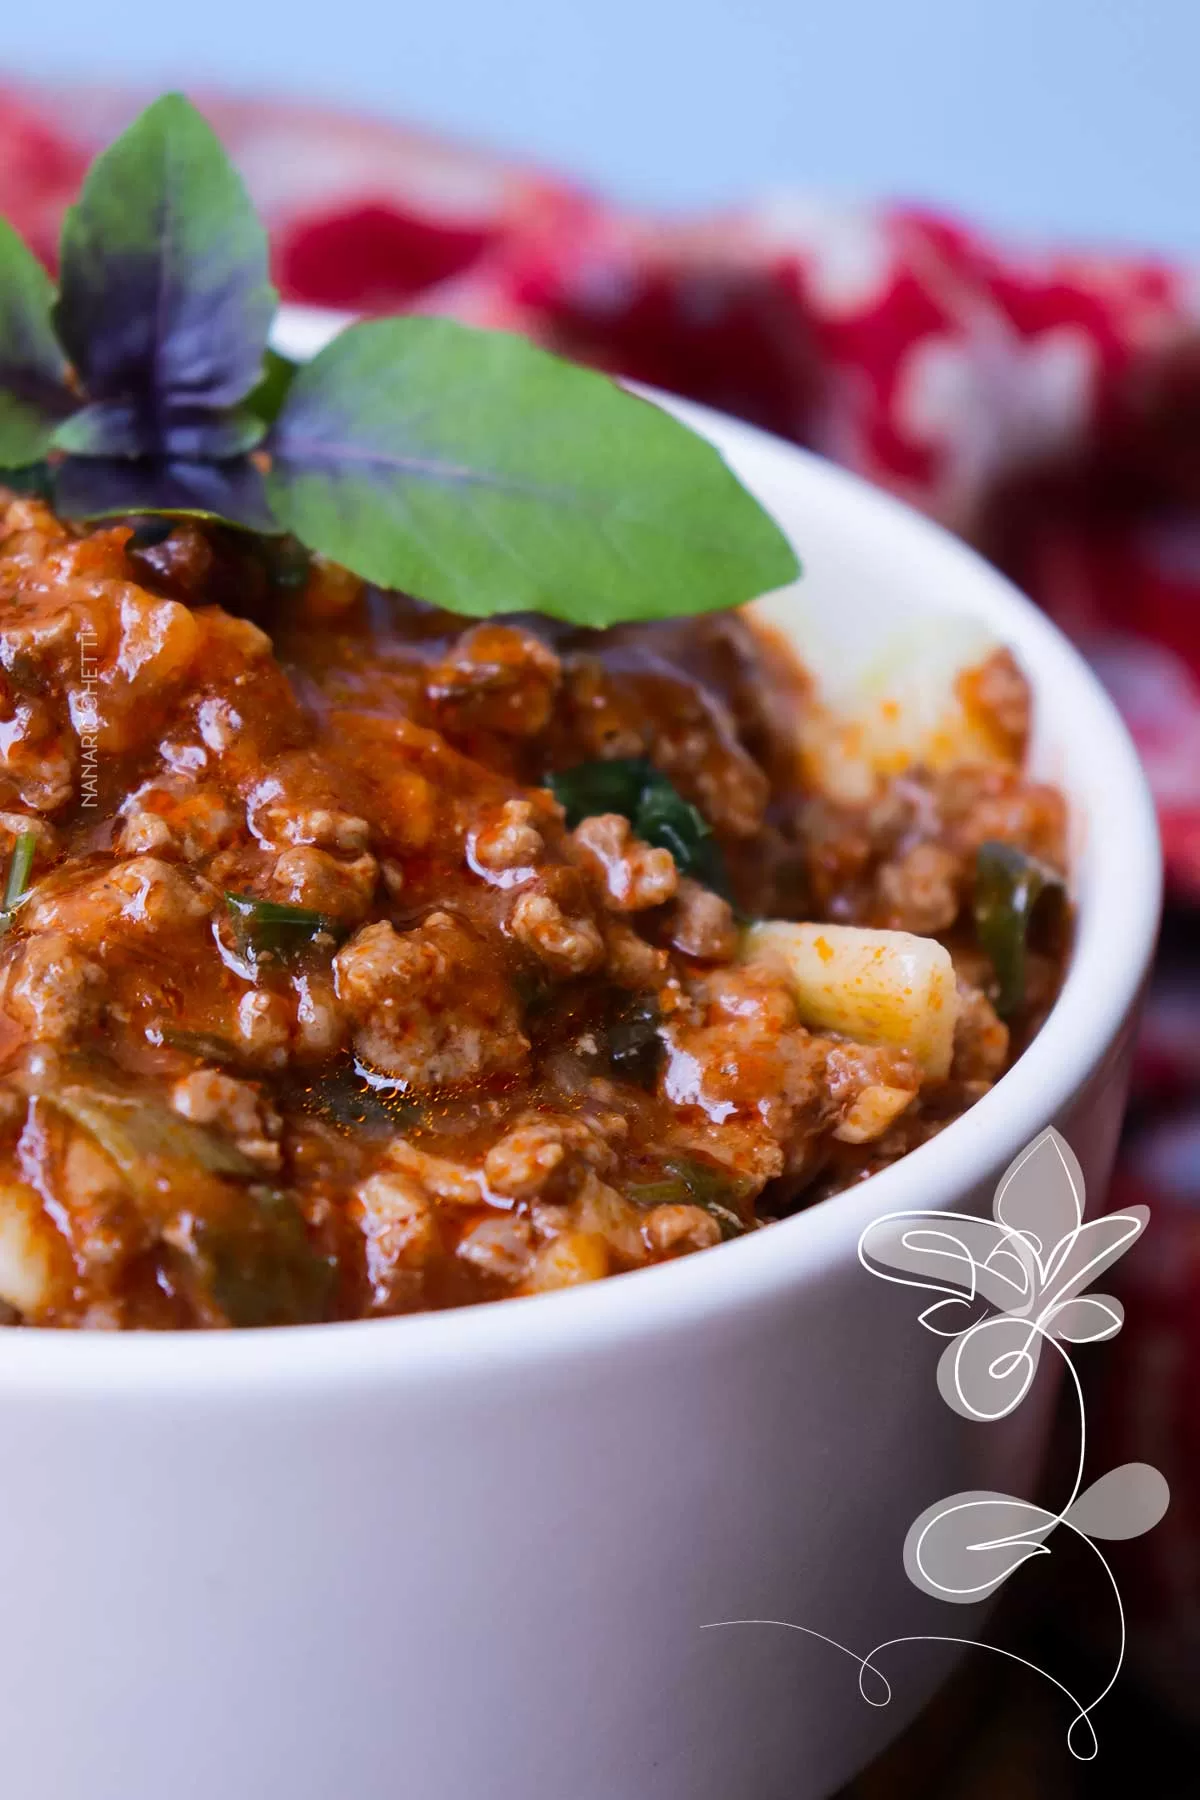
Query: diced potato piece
(877, 987)
(906, 707)
(26, 1250)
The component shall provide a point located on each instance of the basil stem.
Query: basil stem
(1010, 886)
(270, 928)
(20, 867)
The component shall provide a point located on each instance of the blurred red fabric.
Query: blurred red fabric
(1045, 403)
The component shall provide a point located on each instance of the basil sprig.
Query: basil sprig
(466, 467)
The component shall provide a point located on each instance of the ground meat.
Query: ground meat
(262, 1028)
(631, 961)
(999, 693)
(428, 1006)
(567, 944)
(919, 891)
(501, 1249)
(400, 1239)
(53, 987)
(143, 895)
(38, 761)
(177, 817)
(670, 1229)
(211, 1098)
(341, 890)
(702, 924)
(980, 1037)
(632, 874)
(14, 825)
(496, 678)
(312, 1006)
(510, 843)
(526, 1159)
(448, 1183)
(740, 1051)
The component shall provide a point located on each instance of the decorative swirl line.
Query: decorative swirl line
(1029, 1263)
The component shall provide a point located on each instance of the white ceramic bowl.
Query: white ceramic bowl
(469, 1555)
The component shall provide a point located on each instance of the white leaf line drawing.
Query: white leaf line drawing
(1030, 1263)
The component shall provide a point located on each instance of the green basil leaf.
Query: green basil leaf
(668, 821)
(480, 473)
(165, 301)
(230, 493)
(35, 480)
(116, 428)
(278, 373)
(33, 393)
(591, 788)
(1010, 887)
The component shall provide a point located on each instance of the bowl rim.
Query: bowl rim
(1114, 944)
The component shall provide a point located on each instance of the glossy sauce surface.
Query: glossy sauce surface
(318, 1005)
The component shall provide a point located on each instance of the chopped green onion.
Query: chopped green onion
(269, 928)
(144, 1138)
(205, 1045)
(693, 1183)
(1010, 888)
(260, 1267)
(242, 1242)
(20, 867)
(633, 787)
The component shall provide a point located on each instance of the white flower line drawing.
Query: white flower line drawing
(1030, 1262)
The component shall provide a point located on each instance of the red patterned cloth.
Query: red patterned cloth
(1044, 404)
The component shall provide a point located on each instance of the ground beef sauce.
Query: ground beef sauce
(493, 1055)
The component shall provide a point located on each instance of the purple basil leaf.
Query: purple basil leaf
(115, 428)
(165, 300)
(89, 487)
(33, 391)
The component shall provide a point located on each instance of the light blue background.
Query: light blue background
(1065, 116)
